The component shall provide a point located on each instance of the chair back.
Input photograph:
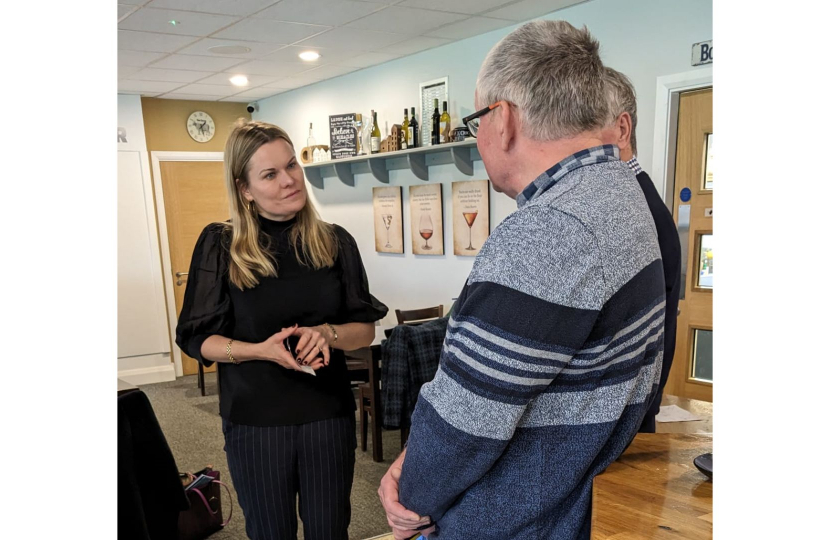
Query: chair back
(419, 315)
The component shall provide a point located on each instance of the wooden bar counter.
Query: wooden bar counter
(654, 490)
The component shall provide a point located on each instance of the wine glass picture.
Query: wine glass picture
(470, 218)
(358, 126)
(425, 229)
(387, 221)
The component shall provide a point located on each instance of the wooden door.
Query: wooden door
(691, 372)
(194, 196)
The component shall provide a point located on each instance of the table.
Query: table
(654, 491)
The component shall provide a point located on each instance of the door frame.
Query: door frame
(167, 266)
(664, 147)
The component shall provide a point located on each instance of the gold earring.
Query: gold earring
(252, 207)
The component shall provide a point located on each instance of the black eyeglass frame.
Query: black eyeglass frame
(478, 114)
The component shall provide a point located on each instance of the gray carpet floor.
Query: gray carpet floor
(193, 429)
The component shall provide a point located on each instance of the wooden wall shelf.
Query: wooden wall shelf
(418, 160)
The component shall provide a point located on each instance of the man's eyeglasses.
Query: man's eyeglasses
(474, 119)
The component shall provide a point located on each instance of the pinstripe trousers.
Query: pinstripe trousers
(271, 465)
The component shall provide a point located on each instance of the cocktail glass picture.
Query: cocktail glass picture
(470, 217)
(425, 228)
(387, 221)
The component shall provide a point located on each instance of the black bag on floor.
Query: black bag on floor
(204, 517)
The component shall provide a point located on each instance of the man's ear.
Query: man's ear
(508, 126)
(623, 130)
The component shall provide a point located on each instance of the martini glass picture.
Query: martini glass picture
(387, 221)
(470, 218)
(425, 228)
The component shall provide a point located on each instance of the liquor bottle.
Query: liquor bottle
(445, 125)
(414, 135)
(375, 133)
(405, 130)
(310, 142)
(436, 124)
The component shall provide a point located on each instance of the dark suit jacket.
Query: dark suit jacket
(669, 243)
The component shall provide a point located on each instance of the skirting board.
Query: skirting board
(148, 375)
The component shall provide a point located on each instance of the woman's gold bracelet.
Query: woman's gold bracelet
(228, 352)
(333, 331)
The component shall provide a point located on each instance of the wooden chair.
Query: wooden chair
(416, 316)
(369, 403)
(419, 315)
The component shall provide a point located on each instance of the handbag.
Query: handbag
(204, 517)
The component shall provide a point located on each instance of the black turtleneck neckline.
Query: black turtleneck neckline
(274, 227)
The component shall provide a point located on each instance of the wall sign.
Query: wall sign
(685, 194)
(388, 207)
(702, 53)
(426, 219)
(343, 135)
(470, 216)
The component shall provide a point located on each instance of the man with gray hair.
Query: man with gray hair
(621, 131)
(553, 348)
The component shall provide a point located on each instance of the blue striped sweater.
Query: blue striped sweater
(551, 358)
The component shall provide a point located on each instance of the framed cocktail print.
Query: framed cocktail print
(426, 218)
(388, 207)
(470, 216)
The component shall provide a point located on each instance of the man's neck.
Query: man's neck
(532, 158)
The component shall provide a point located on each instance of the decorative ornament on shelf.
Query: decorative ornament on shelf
(200, 126)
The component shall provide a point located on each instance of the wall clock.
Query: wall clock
(200, 126)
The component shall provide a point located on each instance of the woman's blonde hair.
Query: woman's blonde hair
(250, 256)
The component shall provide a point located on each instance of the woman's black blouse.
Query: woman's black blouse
(263, 393)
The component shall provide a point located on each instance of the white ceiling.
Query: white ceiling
(158, 59)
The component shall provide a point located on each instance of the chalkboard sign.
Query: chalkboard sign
(343, 136)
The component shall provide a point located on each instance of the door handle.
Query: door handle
(179, 275)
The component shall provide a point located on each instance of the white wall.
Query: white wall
(143, 344)
(644, 39)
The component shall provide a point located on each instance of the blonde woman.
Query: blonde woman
(276, 270)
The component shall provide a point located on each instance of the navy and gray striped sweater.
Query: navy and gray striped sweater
(551, 358)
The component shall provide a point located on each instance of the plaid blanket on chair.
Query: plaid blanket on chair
(410, 359)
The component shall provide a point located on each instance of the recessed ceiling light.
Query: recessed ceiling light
(309, 56)
(174, 22)
(239, 80)
(229, 49)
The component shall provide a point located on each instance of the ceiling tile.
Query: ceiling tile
(189, 23)
(169, 75)
(223, 79)
(469, 27)
(189, 97)
(146, 86)
(292, 52)
(331, 71)
(206, 90)
(132, 2)
(411, 21)
(124, 10)
(196, 63)
(257, 49)
(369, 59)
(329, 12)
(242, 8)
(354, 39)
(138, 58)
(530, 9)
(471, 7)
(418, 44)
(125, 71)
(256, 93)
(242, 99)
(269, 31)
(272, 69)
(146, 41)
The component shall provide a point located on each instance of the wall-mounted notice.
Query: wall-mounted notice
(702, 53)
(343, 136)
(388, 206)
(426, 218)
(470, 216)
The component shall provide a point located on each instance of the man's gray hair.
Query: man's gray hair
(553, 73)
(621, 98)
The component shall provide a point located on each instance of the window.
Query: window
(705, 260)
(707, 169)
(702, 355)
